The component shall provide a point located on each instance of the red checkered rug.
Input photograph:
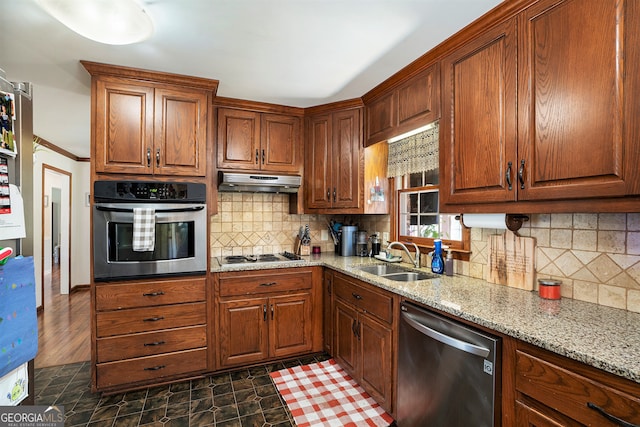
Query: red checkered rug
(323, 394)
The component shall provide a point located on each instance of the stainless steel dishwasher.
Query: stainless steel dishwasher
(447, 372)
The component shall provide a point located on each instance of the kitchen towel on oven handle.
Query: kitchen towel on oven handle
(144, 229)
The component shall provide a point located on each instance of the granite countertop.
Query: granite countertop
(603, 337)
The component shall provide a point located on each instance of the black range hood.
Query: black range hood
(258, 183)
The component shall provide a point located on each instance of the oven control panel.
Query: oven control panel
(137, 191)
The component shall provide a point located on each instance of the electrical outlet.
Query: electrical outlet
(324, 235)
(385, 237)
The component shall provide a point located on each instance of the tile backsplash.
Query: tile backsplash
(258, 223)
(597, 256)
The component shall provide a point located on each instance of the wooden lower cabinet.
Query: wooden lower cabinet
(146, 332)
(551, 390)
(364, 331)
(268, 314)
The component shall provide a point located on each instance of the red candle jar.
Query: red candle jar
(549, 288)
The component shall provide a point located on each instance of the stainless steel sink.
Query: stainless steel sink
(409, 276)
(396, 272)
(382, 269)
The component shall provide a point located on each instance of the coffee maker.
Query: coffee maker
(362, 244)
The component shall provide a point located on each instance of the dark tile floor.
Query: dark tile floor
(241, 398)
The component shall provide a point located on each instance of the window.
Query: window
(418, 219)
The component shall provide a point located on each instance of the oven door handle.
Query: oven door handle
(190, 209)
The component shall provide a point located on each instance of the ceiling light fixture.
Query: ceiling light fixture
(115, 22)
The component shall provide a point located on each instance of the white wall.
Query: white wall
(80, 216)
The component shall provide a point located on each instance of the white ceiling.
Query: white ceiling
(292, 52)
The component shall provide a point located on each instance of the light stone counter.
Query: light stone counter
(603, 337)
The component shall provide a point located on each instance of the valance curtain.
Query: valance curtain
(414, 154)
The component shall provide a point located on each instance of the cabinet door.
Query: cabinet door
(318, 162)
(347, 157)
(281, 148)
(572, 89)
(345, 344)
(180, 142)
(238, 139)
(123, 127)
(375, 356)
(381, 118)
(478, 126)
(243, 331)
(419, 100)
(290, 329)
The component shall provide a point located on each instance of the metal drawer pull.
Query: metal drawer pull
(356, 296)
(155, 368)
(150, 344)
(268, 284)
(153, 294)
(610, 417)
(153, 319)
(521, 175)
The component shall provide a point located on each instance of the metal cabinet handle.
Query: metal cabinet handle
(158, 157)
(353, 327)
(151, 344)
(521, 174)
(271, 311)
(155, 368)
(153, 319)
(507, 175)
(148, 157)
(268, 284)
(264, 312)
(356, 296)
(610, 417)
(263, 157)
(153, 294)
(257, 156)
(328, 194)
(334, 194)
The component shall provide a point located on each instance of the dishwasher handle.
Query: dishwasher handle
(445, 339)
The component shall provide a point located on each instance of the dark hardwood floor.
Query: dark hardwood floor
(63, 326)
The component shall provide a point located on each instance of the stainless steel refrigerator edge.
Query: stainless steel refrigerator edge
(21, 167)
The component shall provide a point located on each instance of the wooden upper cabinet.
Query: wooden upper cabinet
(123, 127)
(478, 127)
(180, 132)
(148, 122)
(540, 107)
(334, 161)
(412, 104)
(573, 82)
(251, 140)
(281, 146)
(238, 139)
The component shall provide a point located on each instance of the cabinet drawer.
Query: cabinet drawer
(150, 343)
(238, 284)
(369, 300)
(152, 368)
(134, 320)
(569, 392)
(130, 295)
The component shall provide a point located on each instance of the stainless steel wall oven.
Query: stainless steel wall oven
(179, 215)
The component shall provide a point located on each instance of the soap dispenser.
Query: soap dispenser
(448, 263)
(437, 263)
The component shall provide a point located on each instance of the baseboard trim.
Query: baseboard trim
(80, 288)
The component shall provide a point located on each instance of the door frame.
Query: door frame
(45, 168)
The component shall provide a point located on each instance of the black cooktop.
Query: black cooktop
(261, 258)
